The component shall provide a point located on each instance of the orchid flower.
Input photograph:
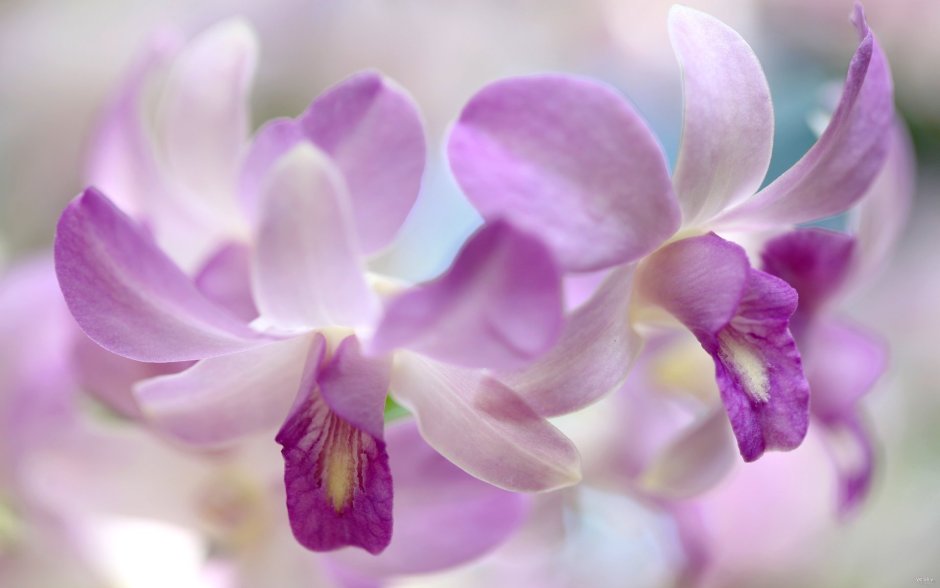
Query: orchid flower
(570, 159)
(317, 194)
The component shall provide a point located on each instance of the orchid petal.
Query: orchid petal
(339, 489)
(592, 357)
(841, 166)
(372, 130)
(443, 516)
(564, 157)
(203, 117)
(483, 427)
(270, 143)
(355, 387)
(129, 297)
(307, 271)
(226, 280)
(728, 125)
(850, 445)
(223, 399)
(499, 306)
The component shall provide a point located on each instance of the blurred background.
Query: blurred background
(59, 62)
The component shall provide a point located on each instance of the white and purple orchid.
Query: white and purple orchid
(570, 159)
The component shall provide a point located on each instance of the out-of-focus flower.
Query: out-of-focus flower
(309, 197)
(569, 158)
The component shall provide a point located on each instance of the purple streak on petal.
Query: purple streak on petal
(226, 280)
(841, 166)
(815, 262)
(499, 306)
(443, 516)
(372, 130)
(592, 358)
(129, 297)
(355, 387)
(339, 487)
(272, 141)
(850, 446)
(483, 427)
(728, 124)
(223, 399)
(307, 271)
(565, 157)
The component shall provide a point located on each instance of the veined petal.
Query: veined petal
(564, 157)
(483, 427)
(307, 271)
(339, 488)
(222, 399)
(443, 516)
(129, 297)
(203, 117)
(728, 124)
(499, 306)
(371, 128)
(841, 166)
(592, 357)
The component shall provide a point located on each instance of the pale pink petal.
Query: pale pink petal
(728, 124)
(307, 271)
(223, 399)
(841, 166)
(129, 297)
(270, 143)
(566, 158)
(226, 280)
(483, 427)
(592, 358)
(372, 130)
(354, 387)
(499, 306)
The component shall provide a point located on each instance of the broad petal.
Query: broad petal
(203, 117)
(372, 130)
(223, 399)
(728, 124)
(226, 280)
(129, 297)
(339, 488)
(307, 271)
(815, 262)
(841, 166)
(270, 143)
(564, 157)
(592, 358)
(443, 516)
(483, 427)
(499, 306)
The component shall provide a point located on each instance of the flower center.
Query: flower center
(749, 368)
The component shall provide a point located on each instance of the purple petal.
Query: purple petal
(339, 488)
(203, 117)
(223, 399)
(355, 387)
(226, 280)
(841, 166)
(815, 262)
(483, 427)
(564, 157)
(592, 358)
(728, 125)
(307, 270)
(499, 306)
(851, 448)
(270, 143)
(372, 130)
(443, 517)
(129, 297)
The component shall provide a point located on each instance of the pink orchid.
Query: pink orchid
(309, 197)
(571, 160)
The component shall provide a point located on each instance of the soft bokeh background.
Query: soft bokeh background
(59, 61)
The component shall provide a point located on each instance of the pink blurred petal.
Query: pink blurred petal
(499, 306)
(592, 358)
(354, 387)
(225, 279)
(564, 157)
(129, 297)
(371, 128)
(307, 271)
(728, 124)
(841, 166)
(483, 427)
(222, 399)
(852, 451)
(339, 489)
(273, 140)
